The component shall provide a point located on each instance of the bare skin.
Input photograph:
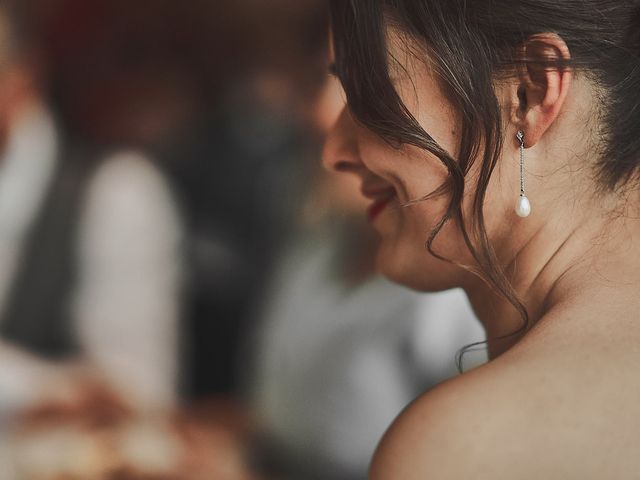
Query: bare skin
(559, 402)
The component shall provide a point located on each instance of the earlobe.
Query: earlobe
(543, 84)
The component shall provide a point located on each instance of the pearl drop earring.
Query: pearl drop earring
(523, 207)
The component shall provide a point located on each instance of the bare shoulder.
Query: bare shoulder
(552, 413)
(448, 432)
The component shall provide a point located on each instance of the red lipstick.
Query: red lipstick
(376, 208)
(381, 198)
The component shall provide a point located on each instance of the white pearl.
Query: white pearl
(523, 207)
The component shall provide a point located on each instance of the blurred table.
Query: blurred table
(102, 439)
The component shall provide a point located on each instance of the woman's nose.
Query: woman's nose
(340, 152)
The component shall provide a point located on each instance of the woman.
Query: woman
(456, 113)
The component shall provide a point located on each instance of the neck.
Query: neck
(547, 269)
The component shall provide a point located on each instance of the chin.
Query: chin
(422, 272)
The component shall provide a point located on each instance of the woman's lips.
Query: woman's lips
(381, 198)
(377, 207)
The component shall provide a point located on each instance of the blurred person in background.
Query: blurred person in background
(89, 259)
(122, 82)
(240, 167)
(90, 292)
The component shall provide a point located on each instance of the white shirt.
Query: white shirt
(335, 364)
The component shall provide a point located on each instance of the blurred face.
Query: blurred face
(392, 178)
(17, 80)
(16, 90)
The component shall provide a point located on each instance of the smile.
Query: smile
(377, 207)
(381, 198)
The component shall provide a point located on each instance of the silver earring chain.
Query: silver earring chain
(520, 136)
(523, 207)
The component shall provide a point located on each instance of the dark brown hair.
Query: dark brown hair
(470, 44)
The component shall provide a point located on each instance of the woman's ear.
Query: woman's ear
(542, 85)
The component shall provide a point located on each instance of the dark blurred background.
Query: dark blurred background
(184, 293)
(221, 96)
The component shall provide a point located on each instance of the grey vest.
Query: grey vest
(37, 315)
